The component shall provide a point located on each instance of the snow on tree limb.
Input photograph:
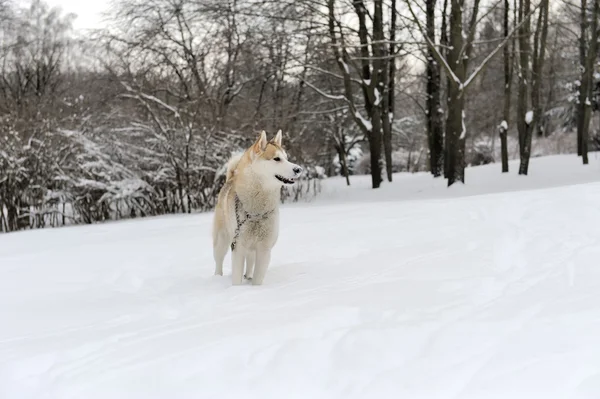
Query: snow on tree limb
(441, 59)
(434, 48)
(529, 117)
(499, 47)
(336, 97)
(329, 73)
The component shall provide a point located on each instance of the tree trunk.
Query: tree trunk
(179, 188)
(582, 63)
(378, 84)
(445, 43)
(389, 100)
(524, 122)
(344, 163)
(455, 124)
(504, 149)
(386, 126)
(434, 116)
(587, 82)
(387, 142)
(508, 62)
(454, 136)
(531, 117)
(375, 145)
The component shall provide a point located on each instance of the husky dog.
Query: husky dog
(247, 214)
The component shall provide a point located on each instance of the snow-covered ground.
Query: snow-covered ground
(416, 291)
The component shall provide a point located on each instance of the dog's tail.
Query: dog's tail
(232, 165)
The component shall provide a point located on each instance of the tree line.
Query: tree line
(139, 118)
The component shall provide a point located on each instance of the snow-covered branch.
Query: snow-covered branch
(499, 47)
(434, 48)
(335, 97)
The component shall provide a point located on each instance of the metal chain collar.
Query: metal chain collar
(247, 217)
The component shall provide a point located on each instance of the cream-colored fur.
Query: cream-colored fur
(256, 178)
(231, 165)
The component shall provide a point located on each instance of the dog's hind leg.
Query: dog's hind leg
(250, 259)
(263, 257)
(220, 247)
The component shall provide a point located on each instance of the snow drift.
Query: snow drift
(465, 293)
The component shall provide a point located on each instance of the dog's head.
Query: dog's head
(270, 161)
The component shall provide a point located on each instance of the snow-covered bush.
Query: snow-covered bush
(307, 186)
(73, 177)
(485, 150)
(403, 160)
(595, 142)
(352, 159)
(481, 153)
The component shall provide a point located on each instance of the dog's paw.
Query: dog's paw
(247, 278)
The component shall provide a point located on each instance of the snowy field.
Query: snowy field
(416, 291)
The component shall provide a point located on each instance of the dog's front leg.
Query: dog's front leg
(250, 259)
(263, 257)
(237, 265)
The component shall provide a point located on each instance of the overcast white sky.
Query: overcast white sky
(88, 11)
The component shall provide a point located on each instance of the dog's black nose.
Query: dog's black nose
(297, 170)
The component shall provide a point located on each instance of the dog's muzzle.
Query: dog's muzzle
(285, 180)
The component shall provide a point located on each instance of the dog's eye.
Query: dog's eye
(276, 159)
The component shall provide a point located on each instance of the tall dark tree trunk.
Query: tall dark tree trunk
(389, 99)
(531, 117)
(378, 86)
(445, 43)
(435, 132)
(587, 81)
(454, 136)
(582, 62)
(375, 147)
(455, 125)
(386, 126)
(524, 118)
(508, 65)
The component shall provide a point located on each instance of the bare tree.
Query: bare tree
(344, 140)
(529, 105)
(372, 66)
(587, 81)
(583, 23)
(455, 64)
(390, 96)
(32, 88)
(524, 115)
(434, 115)
(508, 62)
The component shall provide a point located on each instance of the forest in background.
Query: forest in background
(139, 118)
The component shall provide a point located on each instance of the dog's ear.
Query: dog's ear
(277, 139)
(261, 144)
